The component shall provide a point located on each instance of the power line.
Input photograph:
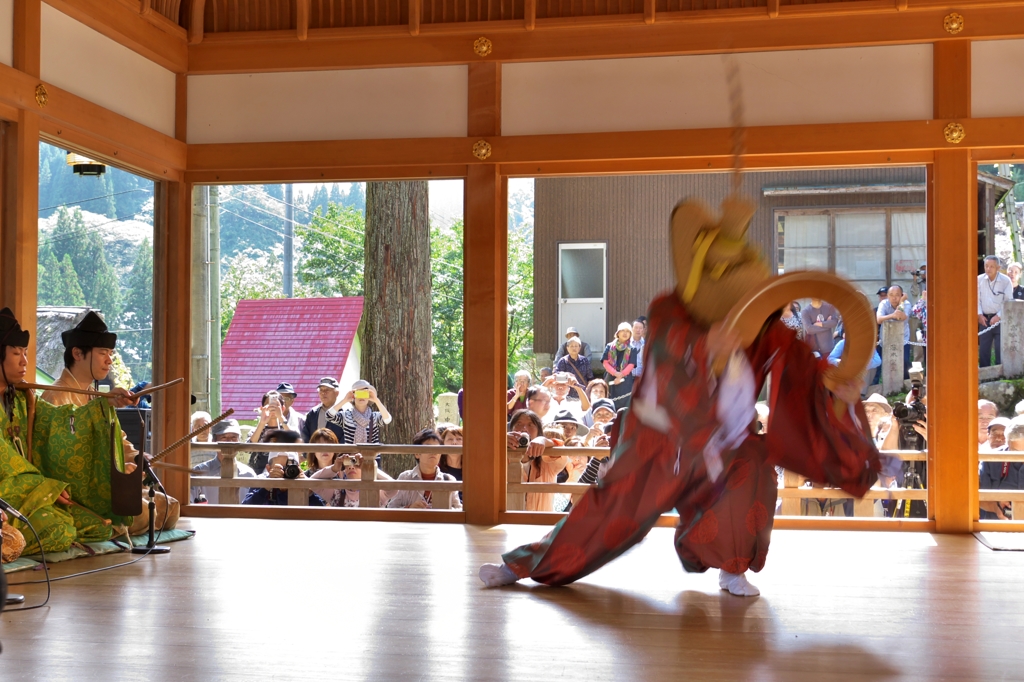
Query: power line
(349, 261)
(307, 226)
(104, 196)
(311, 229)
(88, 228)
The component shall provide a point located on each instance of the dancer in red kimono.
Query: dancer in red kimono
(686, 443)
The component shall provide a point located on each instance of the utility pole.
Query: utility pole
(1010, 207)
(289, 232)
(201, 297)
(214, 293)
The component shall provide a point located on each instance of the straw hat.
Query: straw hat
(714, 264)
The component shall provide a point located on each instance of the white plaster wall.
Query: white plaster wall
(328, 105)
(7, 32)
(995, 82)
(779, 88)
(88, 64)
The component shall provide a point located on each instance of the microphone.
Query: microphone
(12, 511)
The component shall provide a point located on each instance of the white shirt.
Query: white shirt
(991, 295)
(211, 467)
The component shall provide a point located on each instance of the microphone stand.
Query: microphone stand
(153, 482)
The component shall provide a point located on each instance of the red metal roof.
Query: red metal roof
(294, 340)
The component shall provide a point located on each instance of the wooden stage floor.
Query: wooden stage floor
(322, 600)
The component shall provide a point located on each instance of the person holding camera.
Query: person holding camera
(426, 469)
(360, 423)
(271, 413)
(560, 384)
(347, 467)
(525, 430)
(280, 465)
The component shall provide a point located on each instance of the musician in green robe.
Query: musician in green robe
(55, 462)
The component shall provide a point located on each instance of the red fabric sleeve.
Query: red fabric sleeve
(807, 432)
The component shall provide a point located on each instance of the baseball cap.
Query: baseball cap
(571, 331)
(602, 403)
(286, 388)
(882, 291)
(326, 381)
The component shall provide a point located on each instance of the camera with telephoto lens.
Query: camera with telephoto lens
(292, 471)
(909, 413)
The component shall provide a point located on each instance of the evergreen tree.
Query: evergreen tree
(96, 277)
(137, 345)
(446, 306)
(49, 277)
(331, 258)
(66, 290)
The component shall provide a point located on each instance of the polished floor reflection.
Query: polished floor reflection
(325, 600)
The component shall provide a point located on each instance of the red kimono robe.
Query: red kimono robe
(660, 461)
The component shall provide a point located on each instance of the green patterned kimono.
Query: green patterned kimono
(71, 450)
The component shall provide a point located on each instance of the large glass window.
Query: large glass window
(95, 253)
(871, 247)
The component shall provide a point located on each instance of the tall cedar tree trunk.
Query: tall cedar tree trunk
(396, 337)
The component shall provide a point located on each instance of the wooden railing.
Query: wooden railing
(299, 488)
(790, 490)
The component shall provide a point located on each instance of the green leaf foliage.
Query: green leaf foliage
(446, 274)
(331, 255)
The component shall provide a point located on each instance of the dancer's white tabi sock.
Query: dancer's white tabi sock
(737, 583)
(497, 575)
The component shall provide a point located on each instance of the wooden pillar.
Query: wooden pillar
(952, 306)
(485, 300)
(172, 338)
(19, 239)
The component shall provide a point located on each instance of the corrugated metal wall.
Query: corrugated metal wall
(631, 214)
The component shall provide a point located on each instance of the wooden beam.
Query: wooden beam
(952, 306)
(195, 22)
(151, 35)
(27, 36)
(328, 174)
(172, 340)
(649, 11)
(818, 25)
(484, 118)
(530, 14)
(145, 7)
(718, 164)
(301, 19)
(485, 301)
(951, 69)
(415, 10)
(75, 139)
(819, 145)
(773, 9)
(19, 237)
(486, 277)
(67, 111)
(953, 343)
